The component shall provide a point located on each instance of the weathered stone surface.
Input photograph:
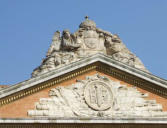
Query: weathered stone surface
(97, 96)
(86, 41)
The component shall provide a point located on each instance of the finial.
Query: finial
(87, 23)
(86, 17)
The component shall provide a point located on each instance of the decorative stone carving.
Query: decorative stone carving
(69, 42)
(96, 96)
(55, 46)
(88, 40)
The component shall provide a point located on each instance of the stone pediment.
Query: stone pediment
(96, 97)
(119, 105)
(98, 62)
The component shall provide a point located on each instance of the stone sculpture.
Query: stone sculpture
(86, 41)
(96, 97)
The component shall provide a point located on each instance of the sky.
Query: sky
(27, 27)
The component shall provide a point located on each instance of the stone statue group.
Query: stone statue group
(86, 41)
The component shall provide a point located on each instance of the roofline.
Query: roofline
(79, 64)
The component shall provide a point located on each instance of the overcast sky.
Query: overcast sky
(27, 27)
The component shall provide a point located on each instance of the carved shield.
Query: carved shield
(98, 95)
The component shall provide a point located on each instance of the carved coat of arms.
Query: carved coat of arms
(96, 96)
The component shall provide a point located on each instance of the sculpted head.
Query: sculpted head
(56, 35)
(116, 38)
(66, 34)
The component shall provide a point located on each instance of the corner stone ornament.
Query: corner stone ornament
(98, 95)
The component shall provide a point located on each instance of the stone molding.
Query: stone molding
(124, 121)
(81, 125)
(98, 62)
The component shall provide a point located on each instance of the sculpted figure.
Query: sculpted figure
(55, 46)
(69, 42)
(119, 51)
(86, 41)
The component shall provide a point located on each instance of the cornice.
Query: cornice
(97, 62)
(125, 120)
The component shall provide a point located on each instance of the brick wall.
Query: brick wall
(19, 108)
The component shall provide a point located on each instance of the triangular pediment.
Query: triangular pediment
(111, 91)
(98, 62)
(96, 97)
